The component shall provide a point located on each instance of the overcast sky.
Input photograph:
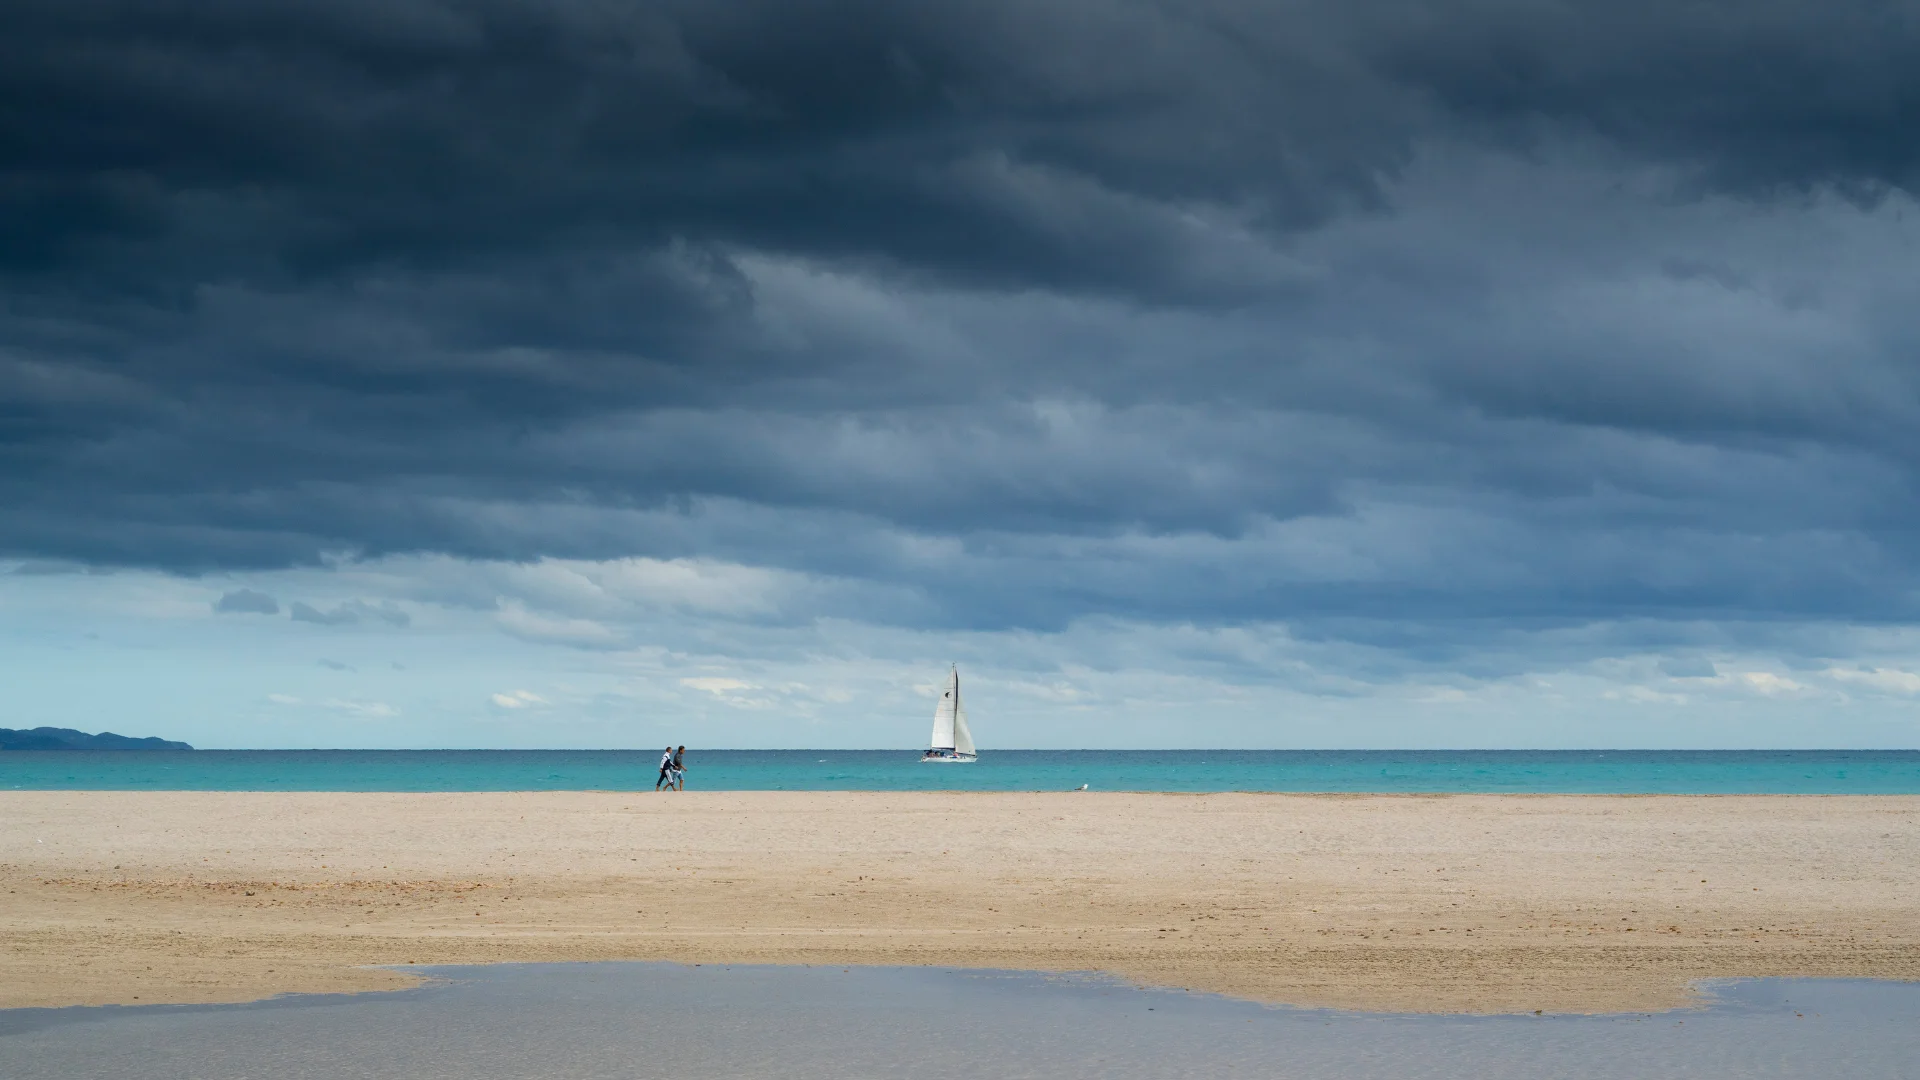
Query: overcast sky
(588, 373)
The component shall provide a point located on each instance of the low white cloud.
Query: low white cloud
(1057, 692)
(731, 691)
(700, 585)
(838, 679)
(1766, 682)
(1885, 680)
(1643, 695)
(361, 710)
(716, 685)
(515, 619)
(517, 699)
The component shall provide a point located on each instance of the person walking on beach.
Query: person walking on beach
(680, 769)
(666, 770)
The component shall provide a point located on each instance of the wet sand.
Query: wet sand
(643, 1021)
(1466, 903)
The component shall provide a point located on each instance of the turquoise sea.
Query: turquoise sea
(1849, 772)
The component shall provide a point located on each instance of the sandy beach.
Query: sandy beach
(1472, 903)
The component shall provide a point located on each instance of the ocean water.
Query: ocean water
(565, 1021)
(1847, 772)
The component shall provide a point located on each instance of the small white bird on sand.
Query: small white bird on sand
(1082, 787)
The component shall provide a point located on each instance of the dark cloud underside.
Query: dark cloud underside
(1500, 311)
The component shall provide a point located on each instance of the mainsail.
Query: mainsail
(946, 713)
(962, 738)
(951, 740)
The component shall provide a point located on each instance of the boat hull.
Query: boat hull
(948, 759)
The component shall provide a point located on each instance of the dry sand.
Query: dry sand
(1479, 903)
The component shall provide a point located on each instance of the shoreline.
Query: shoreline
(1390, 902)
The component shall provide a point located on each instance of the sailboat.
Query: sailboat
(951, 741)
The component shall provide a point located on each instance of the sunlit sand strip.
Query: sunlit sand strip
(1455, 903)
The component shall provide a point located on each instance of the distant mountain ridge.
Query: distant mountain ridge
(59, 738)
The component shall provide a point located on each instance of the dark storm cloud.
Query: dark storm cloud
(1764, 97)
(347, 614)
(248, 602)
(1693, 668)
(304, 612)
(1020, 143)
(1495, 311)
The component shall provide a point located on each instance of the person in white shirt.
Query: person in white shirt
(666, 771)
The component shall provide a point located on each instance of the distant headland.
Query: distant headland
(59, 738)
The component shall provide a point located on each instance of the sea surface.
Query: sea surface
(1844, 772)
(641, 1020)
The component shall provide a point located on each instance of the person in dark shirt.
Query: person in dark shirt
(666, 771)
(680, 769)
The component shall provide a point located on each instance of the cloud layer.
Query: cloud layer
(1431, 329)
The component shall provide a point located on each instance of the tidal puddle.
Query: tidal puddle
(639, 1020)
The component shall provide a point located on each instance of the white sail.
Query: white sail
(962, 738)
(945, 713)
